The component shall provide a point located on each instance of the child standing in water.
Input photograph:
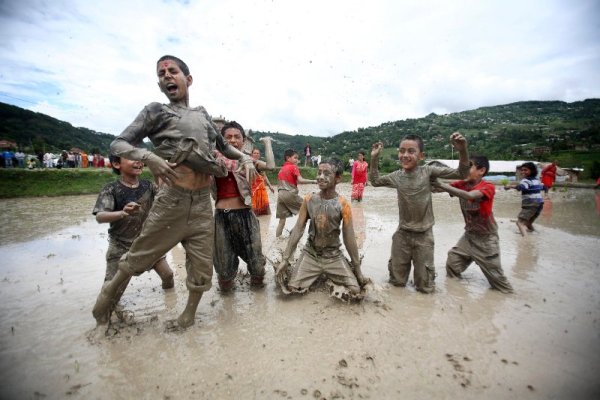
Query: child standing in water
(532, 201)
(413, 240)
(182, 211)
(359, 176)
(125, 204)
(327, 210)
(480, 241)
(288, 201)
(260, 197)
(237, 232)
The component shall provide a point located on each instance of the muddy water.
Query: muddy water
(465, 340)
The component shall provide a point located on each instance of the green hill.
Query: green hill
(538, 130)
(34, 132)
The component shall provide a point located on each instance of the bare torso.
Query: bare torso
(190, 179)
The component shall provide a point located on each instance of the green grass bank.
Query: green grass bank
(72, 181)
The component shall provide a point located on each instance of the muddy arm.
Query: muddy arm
(295, 237)
(350, 242)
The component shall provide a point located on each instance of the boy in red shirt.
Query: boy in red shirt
(479, 243)
(288, 200)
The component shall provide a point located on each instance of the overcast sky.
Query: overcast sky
(297, 67)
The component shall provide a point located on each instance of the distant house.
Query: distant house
(7, 144)
(506, 169)
(541, 150)
(496, 167)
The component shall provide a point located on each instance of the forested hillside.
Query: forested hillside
(538, 130)
(534, 130)
(34, 132)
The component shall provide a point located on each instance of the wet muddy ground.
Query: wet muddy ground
(465, 341)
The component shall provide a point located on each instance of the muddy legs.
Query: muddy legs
(109, 296)
(280, 227)
(164, 271)
(186, 319)
(522, 228)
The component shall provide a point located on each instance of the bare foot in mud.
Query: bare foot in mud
(186, 320)
(102, 308)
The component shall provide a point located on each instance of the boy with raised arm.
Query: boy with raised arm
(182, 211)
(413, 240)
(480, 241)
(327, 210)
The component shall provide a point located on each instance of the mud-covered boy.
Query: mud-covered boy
(330, 214)
(182, 211)
(413, 241)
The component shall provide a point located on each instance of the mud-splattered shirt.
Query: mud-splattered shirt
(114, 196)
(166, 126)
(414, 192)
(326, 215)
(478, 214)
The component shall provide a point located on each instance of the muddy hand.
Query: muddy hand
(161, 169)
(458, 141)
(376, 149)
(131, 208)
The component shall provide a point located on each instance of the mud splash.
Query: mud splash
(466, 340)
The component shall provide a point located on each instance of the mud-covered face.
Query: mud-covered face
(172, 81)
(475, 173)
(256, 154)
(326, 178)
(409, 154)
(129, 167)
(234, 137)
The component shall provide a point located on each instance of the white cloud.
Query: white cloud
(308, 67)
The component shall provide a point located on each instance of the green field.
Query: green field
(61, 182)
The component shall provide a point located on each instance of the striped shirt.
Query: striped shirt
(531, 191)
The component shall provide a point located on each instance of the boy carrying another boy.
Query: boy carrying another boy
(125, 204)
(182, 211)
(480, 241)
(327, 210)
(288, 201)
(413, 240)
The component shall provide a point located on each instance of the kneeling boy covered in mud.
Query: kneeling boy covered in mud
(125, 204)
(327, 210)
(413, 240)
(479, 243)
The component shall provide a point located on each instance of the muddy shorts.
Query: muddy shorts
(309, 268)
(485, 251)
(237, 235)
(177, 215)
(115, 251)
(530, 212)
(416, 248)
(288, 204)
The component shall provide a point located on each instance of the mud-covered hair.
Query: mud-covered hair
(233, 125)
(113, 159)
(289, 153)
(417, 139)
(182, 66)
(481, 162)
(336, 164)
(532, 167)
